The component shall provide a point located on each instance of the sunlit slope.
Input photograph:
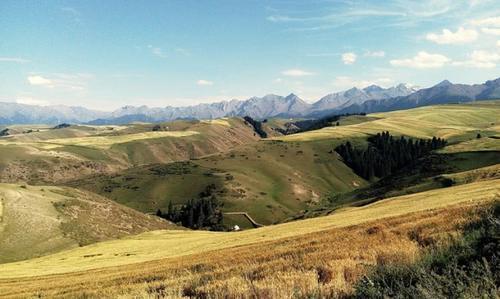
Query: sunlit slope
(162, 244)
(269, 180)
(60, 154)
(445, 121)
(39, 220)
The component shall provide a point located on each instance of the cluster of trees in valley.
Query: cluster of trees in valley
(386, 154)
(199, 213)
(314, 124)
(257, 126)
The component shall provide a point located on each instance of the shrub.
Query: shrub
(324, 275)
(469, 268)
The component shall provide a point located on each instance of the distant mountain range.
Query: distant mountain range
(370, 99)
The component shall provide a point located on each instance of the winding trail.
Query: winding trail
(254, 223)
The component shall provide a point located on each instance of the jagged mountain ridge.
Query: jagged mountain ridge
(369, 99)
(442, 93)
(357, 96)
(16, 113)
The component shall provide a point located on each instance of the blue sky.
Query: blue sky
(107, 54)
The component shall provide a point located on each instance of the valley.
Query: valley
(249, 149)
(87, 198)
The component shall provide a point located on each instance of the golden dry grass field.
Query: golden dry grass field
(99, 142)
(172, 261)
(445, 121)
(325, 263)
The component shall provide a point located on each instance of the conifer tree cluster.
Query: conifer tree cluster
(257, 126)
(386, 154)
(200, 213)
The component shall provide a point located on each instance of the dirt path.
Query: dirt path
(254, 223)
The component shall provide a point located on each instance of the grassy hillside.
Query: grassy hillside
(305, 257)
(53, 155)
(270, 180)
(162, 244)
(279, 178)
(39, 220)
(452, 122)
(394, 219)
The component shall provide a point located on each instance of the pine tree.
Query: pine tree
(170, 211)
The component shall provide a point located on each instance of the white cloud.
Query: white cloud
(488, 25)
(480, 59)
(296, 73)
(374, 54)
(345, 82)
(202, 82)
(498, 43)
(422, 60)
(461, 36)
(278, 80)
(39, 80)
(61, 81)
(31, 101)
(349, 58)
(157, 51)
(492, 31)
(494, 22)
(13, 59)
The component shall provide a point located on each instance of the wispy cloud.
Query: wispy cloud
(28, 100)
(492, 21)
(480, 59)
(296, 73)
(14, 59)
(492, 31)
(489, 25)
(461, 36)
(39, 80)
(202, 82)
(390, 13)
(77, 81)
(422, 60)
(349, 58)
(157, 51)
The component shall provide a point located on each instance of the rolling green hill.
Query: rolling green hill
(54, 155)
(270, 180)
(39, 220)
(276, 179)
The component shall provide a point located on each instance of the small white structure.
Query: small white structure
(236, 228)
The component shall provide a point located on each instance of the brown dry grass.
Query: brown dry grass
(321, 264)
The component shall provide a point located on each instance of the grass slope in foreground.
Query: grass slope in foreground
(40, 220)
(163, 244)
(322, 257)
